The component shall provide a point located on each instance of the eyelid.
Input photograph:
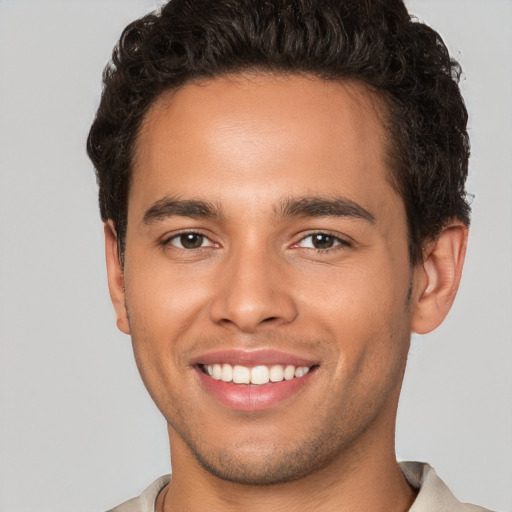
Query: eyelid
(340, 240)
(167, 239)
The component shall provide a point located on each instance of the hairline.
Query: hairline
(378, 100)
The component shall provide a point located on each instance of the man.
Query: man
(282, 186)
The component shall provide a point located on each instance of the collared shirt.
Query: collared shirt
(433, 495)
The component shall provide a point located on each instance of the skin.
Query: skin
(243, 145)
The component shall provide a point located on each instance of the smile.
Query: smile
(253, 380)
(256, 375)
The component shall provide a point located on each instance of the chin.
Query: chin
(267, 465)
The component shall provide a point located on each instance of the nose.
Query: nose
(253, 292)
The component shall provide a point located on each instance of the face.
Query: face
(267, 280)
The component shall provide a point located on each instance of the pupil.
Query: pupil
(191, 240)
(322, 241)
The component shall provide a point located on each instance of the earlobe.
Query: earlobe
(437, 278)
(115, 277)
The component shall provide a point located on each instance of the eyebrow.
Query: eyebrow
(173, 207)
(324, 207)
(298, 207)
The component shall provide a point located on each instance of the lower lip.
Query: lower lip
(250, 397)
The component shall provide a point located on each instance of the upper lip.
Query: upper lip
(251, 358)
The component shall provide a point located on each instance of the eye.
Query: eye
(190, 241)
(321, 241)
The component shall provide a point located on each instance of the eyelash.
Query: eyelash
(337, 241)
(168, 241)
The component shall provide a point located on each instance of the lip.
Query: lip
(251, 358)
(251, 397)
(243, 397)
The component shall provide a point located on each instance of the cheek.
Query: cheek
(161, 297)
(361, 293)
(158, 310)
(167, 310)
(362, 308)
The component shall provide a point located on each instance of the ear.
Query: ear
(437, 278)
(115, 277)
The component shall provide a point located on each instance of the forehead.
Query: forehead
(294, 134)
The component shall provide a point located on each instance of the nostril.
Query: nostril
(251, 309)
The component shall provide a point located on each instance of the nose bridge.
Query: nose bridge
(252, 291)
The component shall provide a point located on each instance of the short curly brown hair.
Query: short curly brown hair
(375, 42)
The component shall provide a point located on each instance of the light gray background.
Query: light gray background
(77, 430)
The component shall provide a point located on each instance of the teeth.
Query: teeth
(227, 373)
(216, 371)
(276, 373)
(241, 375)
(258, 375)
(301, 371)
(289, 372)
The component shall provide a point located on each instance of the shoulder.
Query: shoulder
(433, 494)
(146, 501)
